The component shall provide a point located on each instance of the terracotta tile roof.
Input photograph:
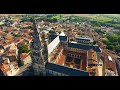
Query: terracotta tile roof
(101, 44)
(61, 59)
(10, 28)
(28, 39)
(18, 39)
(5, 61)
(23, 56)
(109, 64)
(9, 41)
(1, 48)
(13, 47)
(3, 43)
(22, 43)
(28, 23)
(5, 67)
(83, 58)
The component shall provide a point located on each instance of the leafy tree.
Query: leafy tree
(94, 42)
(112, 37)
(111, 47)
(117, 47)
(23, 49)
(119, 40)
(106, 41)
(6, 31)
(51, 31)
(16, 35)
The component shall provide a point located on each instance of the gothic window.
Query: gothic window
(35, 35)
(35, 45)
(72, 55)
(35, 54)
(37, 59)
(68, 54)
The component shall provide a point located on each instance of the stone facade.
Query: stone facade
(39, 51)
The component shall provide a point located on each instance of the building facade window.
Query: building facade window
(73, 55)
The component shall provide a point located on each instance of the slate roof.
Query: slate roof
(63, 38)
(66, 70)
(84, 47)
(51, 37)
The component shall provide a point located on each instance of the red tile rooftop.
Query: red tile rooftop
(109, 64)
(10, 28)
(61, 59)
(22, 43)
(16, 40)
(24, 55)
(5, 67)
(28, 39)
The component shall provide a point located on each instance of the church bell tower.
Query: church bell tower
(39, 51)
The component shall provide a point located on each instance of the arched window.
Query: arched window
(35, 45)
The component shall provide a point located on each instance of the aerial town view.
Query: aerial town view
(59, 44)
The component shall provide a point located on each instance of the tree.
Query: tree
(59, 32)
(51, 31)
(16, 35)
(106, 41)
(23, 49)
(112, 37)
(6, 31)
(111, 47)
(119, 40)
(94, 42)
(117, 47)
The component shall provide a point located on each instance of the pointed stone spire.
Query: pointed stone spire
(39, 51)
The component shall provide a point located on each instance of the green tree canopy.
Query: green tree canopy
(23, 49)
(94, 42)
(111, 47)
(51, 31)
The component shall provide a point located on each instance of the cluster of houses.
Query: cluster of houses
(12, 37)
(76, 48)
(80, 35)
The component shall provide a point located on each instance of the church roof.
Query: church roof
(66, 70)
(84, 47)
(63, 38)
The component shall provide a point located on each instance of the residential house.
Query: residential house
(18, 40)
(109, 62)
(12, 51)
(25, 58)
(101, 45)
(1, 50)
(29, 39)
(9, 68)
